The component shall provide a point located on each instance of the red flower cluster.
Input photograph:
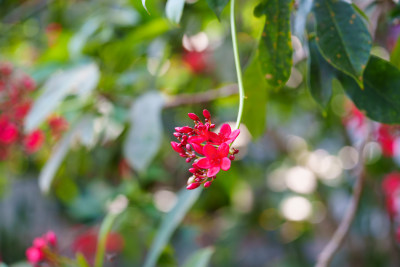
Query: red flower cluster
(15, 103)
(388, 136)
(209, 151)
(43, 250)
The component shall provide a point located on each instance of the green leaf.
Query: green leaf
(254, 114)
(362, 14)
(275, 48)
(174, 9)
(144, 137)
(217, 6)
(81, 260)
(342, 37)
(319, 76)
(186, 198)
(381, 95)
(395, 55)
(79, 40)
(144, 5)
(2, 264)
(79, 81)
(200, 258)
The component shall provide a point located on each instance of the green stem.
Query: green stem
(102, 238)
(237, 64)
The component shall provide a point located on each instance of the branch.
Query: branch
(326, 256)
(199, 98)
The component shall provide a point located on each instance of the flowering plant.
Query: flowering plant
(209, 151)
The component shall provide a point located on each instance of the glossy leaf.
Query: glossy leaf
(254, 114)
(342, 37)
(186, 199)
(381, 95)
(217, 6)
(275, 48)
(200, 258)
(174, 9)
(79, 81)
(144, 137)
(319, 76)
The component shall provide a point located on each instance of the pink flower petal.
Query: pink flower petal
(225, 164)
(198, 148)
(203, 163)
(214, 138)
(225, 130)
(196, 139)
(213, 171)
(210, 151)
(234, 134)
(223, 150)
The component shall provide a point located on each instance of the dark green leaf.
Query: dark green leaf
(275, 48)
(174, 9)
(381, 95)
(362, 14)
(186, 198)
(217, 6)
(342, 37)
(200, 258)
(254, 114)
(319, 77)
(144, 137)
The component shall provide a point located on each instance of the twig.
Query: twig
(204, 97)
(326, 256)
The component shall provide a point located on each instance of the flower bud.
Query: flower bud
(177, 148)
(206, 114)
(207, 184)
(190, 180)
(232, 157)
(51, 238)
(193, 116)
(193, 170)
(184, 129)
(193, 186)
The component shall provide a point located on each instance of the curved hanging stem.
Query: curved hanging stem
(237, 64)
